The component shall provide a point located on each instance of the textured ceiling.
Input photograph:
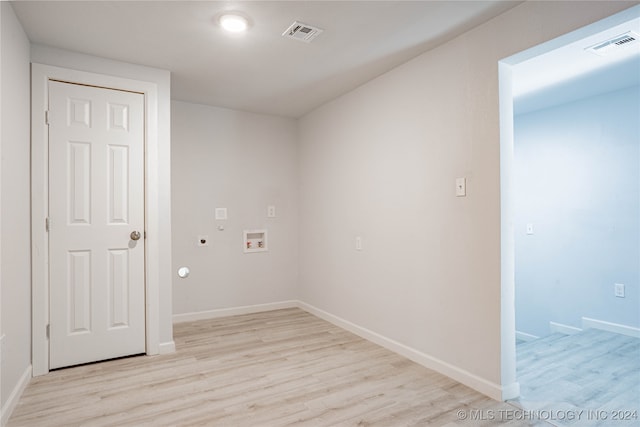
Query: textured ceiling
(259, 71)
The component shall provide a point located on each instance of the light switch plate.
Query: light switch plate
(461, 187)
(529, 228)
(358, 243)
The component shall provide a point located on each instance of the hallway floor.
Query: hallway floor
(588, 379)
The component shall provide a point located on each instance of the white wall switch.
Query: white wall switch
(461, 187)
(358, 243)
(618, 290)
(203, 240)
(221, 214)
(529, 228)
(271, 211)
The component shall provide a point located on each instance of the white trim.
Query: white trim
(563, 329)
(1, 364)
(507, 236)
(40, 75)
(507, 209)
(167, 347)
(233, 311)
(15, 395)
(617, 328)
(523, 336)
(495, 391)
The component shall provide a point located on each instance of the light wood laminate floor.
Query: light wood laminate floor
(594, 374)
(277, 368)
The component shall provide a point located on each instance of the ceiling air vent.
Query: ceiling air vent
(616, 43)
(302, 32)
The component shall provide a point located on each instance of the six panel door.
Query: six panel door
(96, 205)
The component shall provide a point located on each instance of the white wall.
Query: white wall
(15, 264)
(381, 162)
(76, 61)
(243, 162)
(1, 329)
(578, 183)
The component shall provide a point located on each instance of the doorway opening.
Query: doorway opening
(570, 196)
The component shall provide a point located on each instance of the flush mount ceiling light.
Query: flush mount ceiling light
(234, 23)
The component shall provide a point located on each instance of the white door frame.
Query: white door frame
(511, 387)
(40, 76)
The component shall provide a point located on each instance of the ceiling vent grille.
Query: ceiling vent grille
(616, 43)
(302, 32)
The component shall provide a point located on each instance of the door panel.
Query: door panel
(118, 288)
(79, 291)
(96, 199)
(118, 182)
(79, 182)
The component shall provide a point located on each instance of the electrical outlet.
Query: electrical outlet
(461, 187)
(203, 240)
(618, 290)
(271, 211)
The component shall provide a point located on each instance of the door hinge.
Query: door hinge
(47, 224)
(46, 117)
(48, 330)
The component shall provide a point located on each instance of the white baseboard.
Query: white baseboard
(523, 336)
(495, 391)
(617, 328)
(14, 397)
(563, 329)
(511, 391)
(234, 311)
(2, 356)
(167, 347)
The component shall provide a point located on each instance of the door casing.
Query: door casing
(40, 76)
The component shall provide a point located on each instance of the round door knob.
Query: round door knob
(135, 235)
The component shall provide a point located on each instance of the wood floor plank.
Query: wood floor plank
(278, 368)
(594, 371)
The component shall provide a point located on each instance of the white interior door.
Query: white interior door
(96, 205)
